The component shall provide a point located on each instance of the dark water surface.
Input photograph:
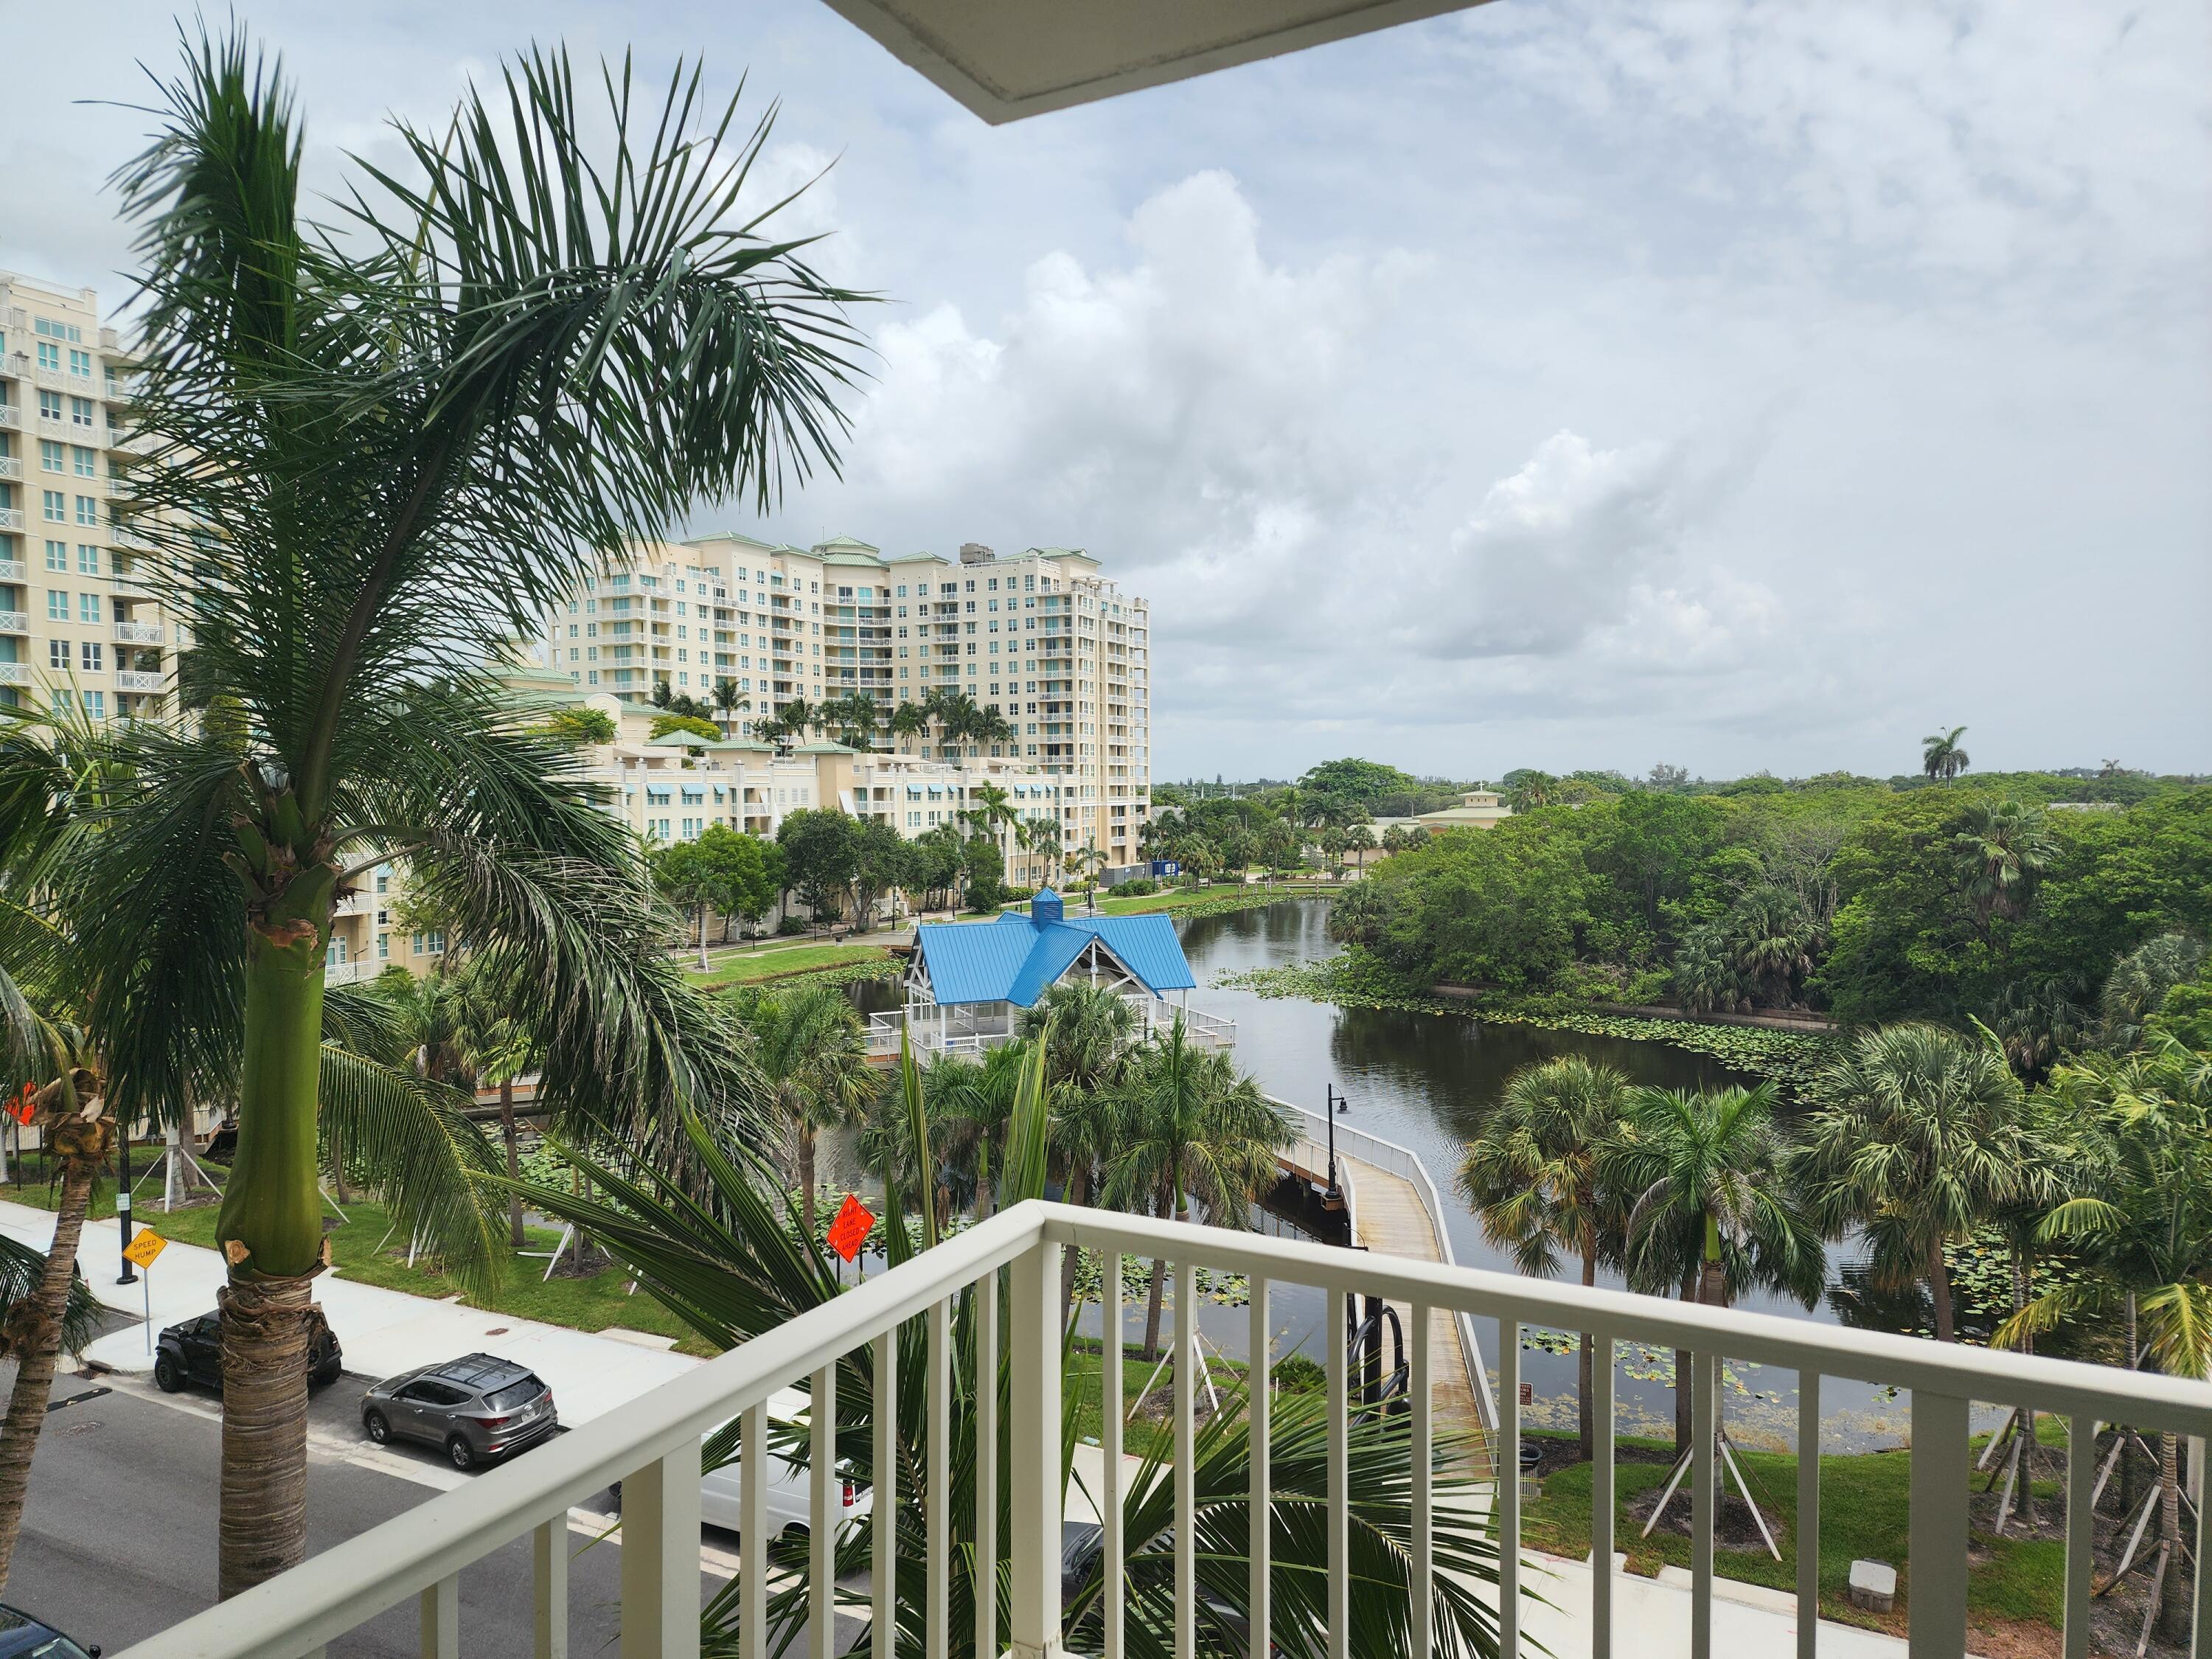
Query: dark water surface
(1426, 1081)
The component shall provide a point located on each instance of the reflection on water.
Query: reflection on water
(1426, 1081)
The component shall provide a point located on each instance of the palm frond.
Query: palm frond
(21, 1269)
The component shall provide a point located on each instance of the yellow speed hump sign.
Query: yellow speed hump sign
(142, 1250)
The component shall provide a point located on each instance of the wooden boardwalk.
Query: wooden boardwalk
(1389, 1217)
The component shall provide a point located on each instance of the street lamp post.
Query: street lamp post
(130, 1274)
(1334, 1103)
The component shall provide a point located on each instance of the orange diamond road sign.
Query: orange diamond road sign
(144, 1247)
(850, 1229)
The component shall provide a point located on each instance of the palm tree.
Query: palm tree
(908, 719)
(1709, 1210)
(513, 360)
(728, 700)
(1940, 756)
(1088, 1034)
(2138, 983)
(2139, 1213)
(971, 1104)
(1919, 1138)
(1089, 863)
(813, 1052)
(733, 1270)
(1194, 1132)
(1531, 1175)
(2003, 852)
(1772, 937)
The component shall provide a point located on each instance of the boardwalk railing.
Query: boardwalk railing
(1393, 1160)
(654, 1448)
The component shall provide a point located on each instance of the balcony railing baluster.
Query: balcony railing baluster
(1507, 1486)
(987, 1463)
(1112, 1566)
(824, 1511)
(1601, 1495)
(1420, 1387)
(660, 1555)
(752, 1536)
(1339, 1457)
(1187, 1379)
(1259, 1397)
(1808, 1513)
(938, 1558)
(442, 1619)
(1937, 1550)
(883, 1565)
(1705, 1491)
(548, 1589)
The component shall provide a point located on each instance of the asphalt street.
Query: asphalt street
(119, 1538)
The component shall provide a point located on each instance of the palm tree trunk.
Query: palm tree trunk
(2173, 1589)
(34, 1337)
(513, 1161)
(271, 1233)
(1683, 1372)
(2019, 1282)
(806, 1180)
(1939, 1284)
(1078, 1194)
(703, 937)
(1587, 1381)
(1152, 1296)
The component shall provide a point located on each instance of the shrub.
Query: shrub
(1136, 887)
(791, 925)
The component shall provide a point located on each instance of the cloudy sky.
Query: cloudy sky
(1568, 385)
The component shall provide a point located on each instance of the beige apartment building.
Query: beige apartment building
(78, 629)
(1042, 637)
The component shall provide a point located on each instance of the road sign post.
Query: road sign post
(141, 1252)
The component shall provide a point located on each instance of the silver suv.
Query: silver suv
(478, 1407)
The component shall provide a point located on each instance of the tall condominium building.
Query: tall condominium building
(78, 629)
(1042, 637)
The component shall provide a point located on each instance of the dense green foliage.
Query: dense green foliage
(1873, 902)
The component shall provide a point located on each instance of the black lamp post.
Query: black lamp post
(1335, 1103)
(130, 1274)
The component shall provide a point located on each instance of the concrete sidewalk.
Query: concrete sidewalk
(382, 1332)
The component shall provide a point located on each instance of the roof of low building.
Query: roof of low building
(1018, 958)
(823, 749)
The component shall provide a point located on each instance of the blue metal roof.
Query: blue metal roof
(1018, 958)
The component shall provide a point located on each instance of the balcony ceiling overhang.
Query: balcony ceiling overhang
(1005, 59)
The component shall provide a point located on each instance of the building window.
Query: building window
(57, 606)
(430, 944)
(81, 412)
(384, 947)
(87, 510)
(80, 364)
(93, 652)
(57, 556)
(50, 405)
(87, 558)
(54, 505)
(50, 356)
(87, 607)
(57, 655)
(52, 456)
(85, 462)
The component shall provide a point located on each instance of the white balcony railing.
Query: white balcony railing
(12, 570)
(11, 517)
(14, 621)
(129, 680)
(15, 673)
(11, 415)
(11, 467)
(135, 633)
(654, 1448)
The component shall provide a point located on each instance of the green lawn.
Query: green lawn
(1142, 1436)
(583, 1304)
(1185, 898)
(1865, 1510)
(777, 961)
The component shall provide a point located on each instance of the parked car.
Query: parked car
(479, 1409)
(22, 1636)
(790, 1492)
(191, 1352)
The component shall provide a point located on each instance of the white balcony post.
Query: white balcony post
(442, 1619)
(661, 1558)
(1339, 1449)
(1937, 1549)
(550, 1589)
(822, 1510)
(1034, 1468)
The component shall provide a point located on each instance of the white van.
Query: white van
(790, 1493)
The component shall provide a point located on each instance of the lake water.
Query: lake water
(1426, 1081)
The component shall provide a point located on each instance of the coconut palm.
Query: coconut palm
(1531, 1175)
(733, 1269)
(1941, 757)
(2003, 852)
(1708, 1209)
(514, 359)
(813, 1052)
(729, 701)
(908, 719)
(1194, 1132)
(1919, 1137)
(1088, 1034)
(970, 1103)
(2138, 1212)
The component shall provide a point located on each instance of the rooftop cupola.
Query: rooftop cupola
(1044, 908)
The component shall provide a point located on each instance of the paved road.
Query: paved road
(119, 1539)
